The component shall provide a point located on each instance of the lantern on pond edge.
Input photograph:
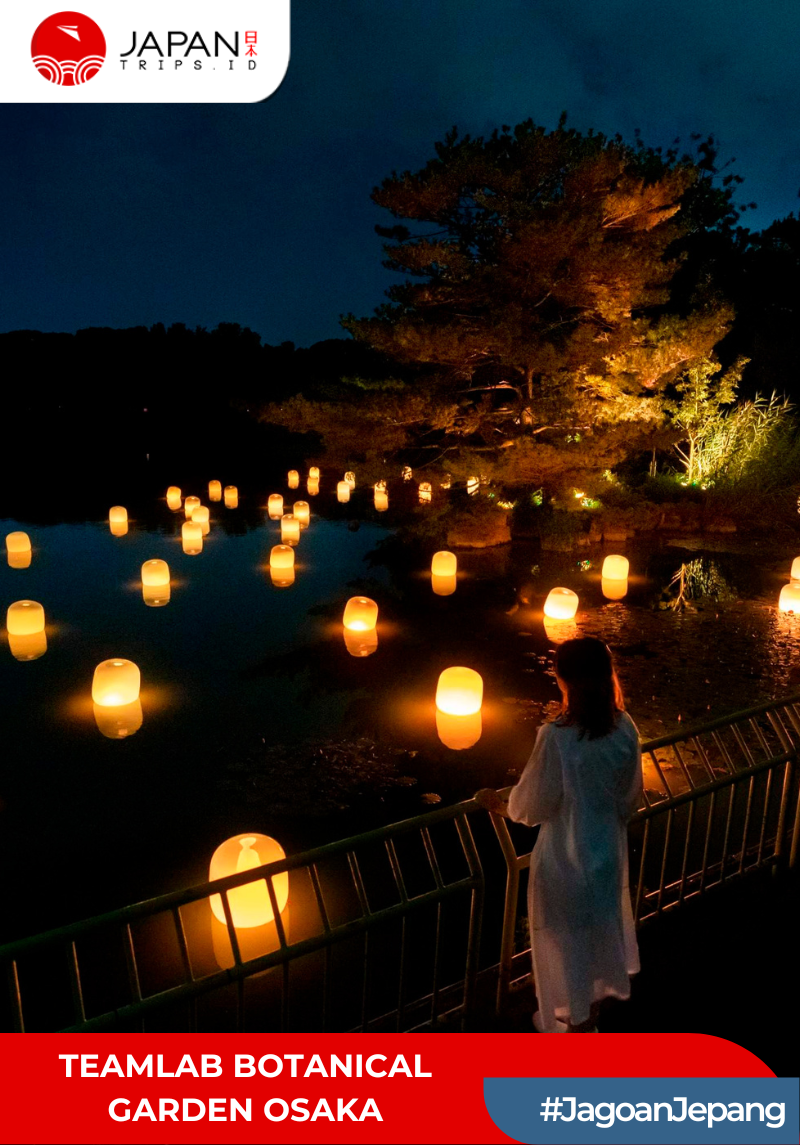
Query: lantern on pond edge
(189, 506)
(615, 588)
(119, 722)
(293, 479)
(25, 618)
(275, 506)
(360, 614)
(290, 529)
(281, 565)
(302, 512)
(789, 600)
(561, 604)
(231, 497)
(446, 481)
(459, 697)
(115, 683)
(343, 492)
(18, 550)
(192, 537)
(350, 478)
(215, 490)
(313, 473)
(425, 493)
(28, 647)
(174, 497)
(312, 485)
(250, 904)
(473, 484)
(615, 568)
(201, 517)
(444, 563)
(118, 520)
(381, 500)
(795, 574)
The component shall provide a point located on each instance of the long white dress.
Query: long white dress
(582, 792)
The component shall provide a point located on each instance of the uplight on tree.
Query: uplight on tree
(350, 478)
(425, 493)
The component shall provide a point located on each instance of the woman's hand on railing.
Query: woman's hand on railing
(490, 800)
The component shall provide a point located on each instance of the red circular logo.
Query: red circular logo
(68, 48)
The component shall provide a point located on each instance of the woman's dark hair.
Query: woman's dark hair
(594, 697)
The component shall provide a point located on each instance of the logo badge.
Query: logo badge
(68, 49)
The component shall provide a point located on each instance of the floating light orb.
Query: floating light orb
(560, 630)
(215, 490)
(360, 644)
(459, 732)
(231, 497)
(281, 566)
(343, 491)
(313, 473)
(119, 722)
(381, 501)
(189, 506)
(250, 904)
(293, 479)
(459, 692)
(789, 600)
(561, 604)
(312, 485)
(202, 517)
(425, 493)
(615, 568)
(155, 573)
(615, 588)
(25, 618)
(290, 529)
(118, 520)
(473, 484)
(19, 542)
(174, 497)
(408, 472)
(302, 511)
(192, 537)
(443, 585)
(444, 564)
(115, 682)
(275, 506)
(795, 574)
(360, 614)
(28, 647)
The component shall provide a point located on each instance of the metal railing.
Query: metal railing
(410, 925)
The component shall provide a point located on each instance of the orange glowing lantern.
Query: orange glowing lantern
(444, 564)
(615, 588)
(119, 722)
(281, 565)
(118, 520)
(189, 506)
(115, 683)
(343, 491)
(615, 568)
(459, 732)
(313, 473)
(201, 517)
(290, 529)
(215, 490)
(25, 618)
(231, 497)
(18, 550)
(795, 574)
(155, 583)
(443, 585)
(360, 614)
(789, 600)
(459, 697)
(425, 493)
(293, 479)
(192, 537)
(275, 506)
(473, 484)
(561, 604)
(174, 497)
(381, 499)
(302, 512)
(312, 485)
(28, 647)
(250, 905)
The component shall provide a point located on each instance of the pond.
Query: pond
(257, 718)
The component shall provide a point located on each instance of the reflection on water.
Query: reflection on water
(121, 721)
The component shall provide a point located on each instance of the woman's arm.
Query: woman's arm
(537, 796)
(490, 800)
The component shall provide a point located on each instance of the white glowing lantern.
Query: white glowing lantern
(119, 722)
(789, 600)
(408, 472)
(281, 566)
(425, 493)
(115, 683)
(201, 517)
(561, 604)
(795, 565)
(381, 500)
(25, 618)
(443, 585)
(350, 478)
(459, 692)
(230, 496)
(28, 647)
(215, 490)
(155, 573)
(275, 506)
(293, 479)
(444, 564)
(189, 506)
(312, 485)
(18, 550)
(313, 473)
(615, 568)
(343, 491)
(614, 589)
(290, 529)
(302, 511)
(192, 537)
(360, 614)
(118, 520)
(174, 497)
(250, 905)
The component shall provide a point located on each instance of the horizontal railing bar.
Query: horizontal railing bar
(721, 721)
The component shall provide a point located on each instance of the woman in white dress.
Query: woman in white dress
(582, 783)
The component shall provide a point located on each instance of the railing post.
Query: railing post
(509, 911)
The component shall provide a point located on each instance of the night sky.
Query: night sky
(260, 214)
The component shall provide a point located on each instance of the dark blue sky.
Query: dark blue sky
(127, 215)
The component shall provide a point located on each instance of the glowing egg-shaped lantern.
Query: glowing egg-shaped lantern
(561, 604)
(290, 529)
(293, 479)
(789, 600)
(459, 732)
(119, 722)
(408, 472)
(302, 511)
(444, 564)
(443, 585)
(312, 485)
(215, 490)
(360, 644)
(459, 697)
(231, 497)
(189, 506)
(155, 583)
(615, 568)
(350, 478)
(202, 517)
(614, 588)
(118, 520)
(18, 550)
(192, 537)
(275, 506)
(29, 647)
(174, 497)
(250, 904)
(25, 618)
(473, 484)
(795, 574)
(115, 683)
(381, 499)
(343, 491)
(360, 614)
(281, 565)
(425, 493)
(313, 473)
